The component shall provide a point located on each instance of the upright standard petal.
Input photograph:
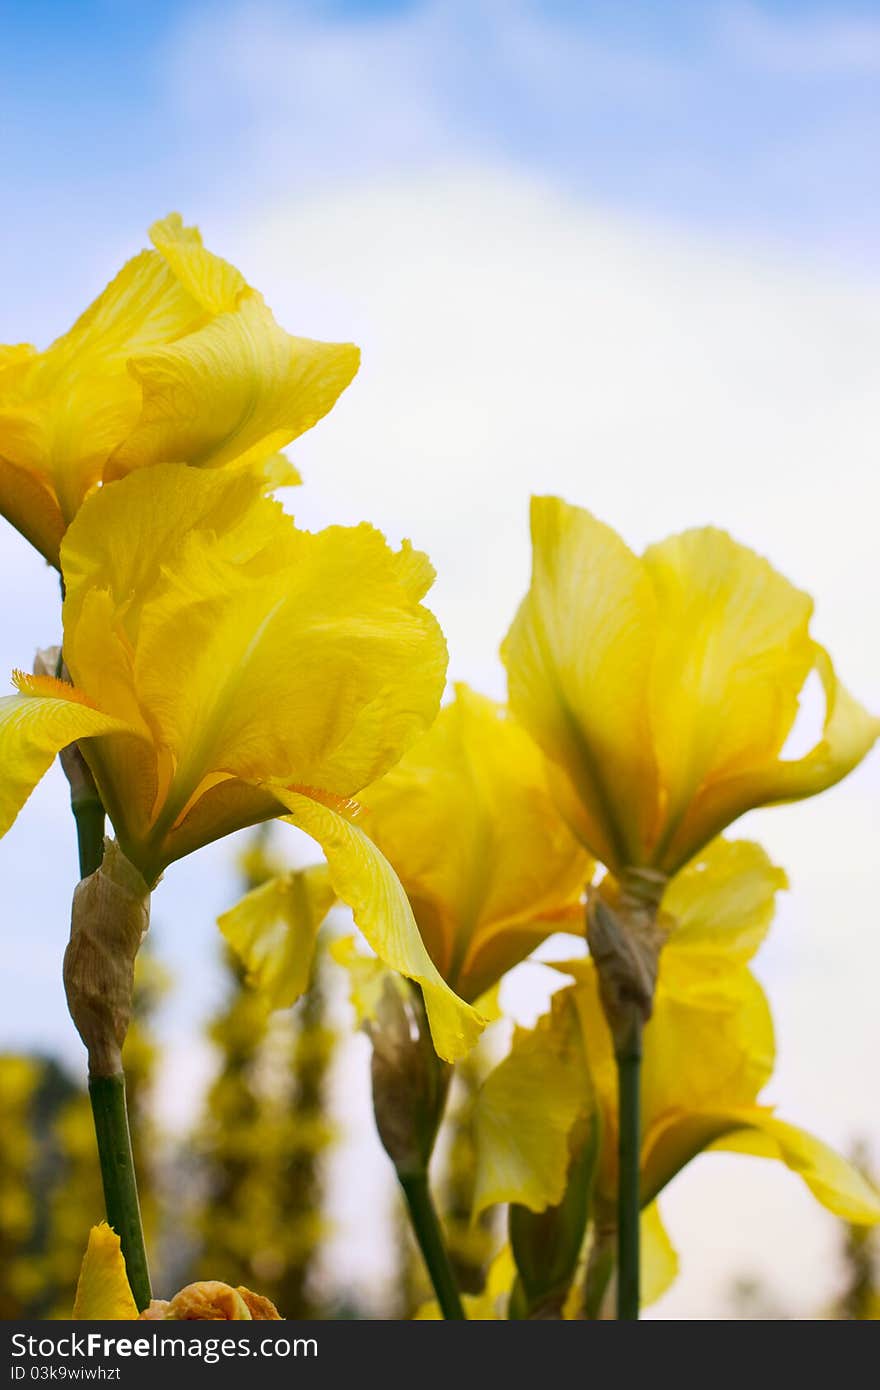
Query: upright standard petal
(236, 391)
(731, 655)
(177, 360)
(64, 411)
(664, 688)
(578, 659)
(212, 282)
(363, 878)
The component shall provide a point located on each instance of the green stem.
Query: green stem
(426, 1228)
(89, 817)
(629, 1064)
(107, 1094)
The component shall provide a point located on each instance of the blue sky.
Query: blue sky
(751, 120)
(627, 252)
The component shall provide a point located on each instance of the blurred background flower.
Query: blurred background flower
(623, 253)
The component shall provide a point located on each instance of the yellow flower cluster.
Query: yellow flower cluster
(227, 667)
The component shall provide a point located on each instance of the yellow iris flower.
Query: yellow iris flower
(228, 667)
(663, 687)
(708, 1053)
(103, 1293)
(178, 360)
(467, 819)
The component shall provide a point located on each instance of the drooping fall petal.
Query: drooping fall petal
(833, 1181)
(363, 878)
(34, 726)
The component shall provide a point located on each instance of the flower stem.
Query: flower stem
(107, 1095)
(89, 817)
(426, 1227)
(629, 1064)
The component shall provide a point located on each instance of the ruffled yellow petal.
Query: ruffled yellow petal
(709, 1040)
(659, 1260)
(723, 902)
(32, 508)
(273, 931)
(13, 354)
(102, 1292)
(664, 689)
(177, 360)
(363, 878)
(212, 282)
(277, 471)
(510, 872)
(64, 411)
(526, 1110)
(578, 658)
(34, 726)
(236, 391)
(130, 533)
(732, 653)
(833, 1181)
(252, 652)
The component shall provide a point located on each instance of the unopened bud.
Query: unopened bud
(410, 1083)
(110, 917)
(625, 938)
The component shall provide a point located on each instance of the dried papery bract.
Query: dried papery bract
(109, 920)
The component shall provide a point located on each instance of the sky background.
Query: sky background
(625, 253)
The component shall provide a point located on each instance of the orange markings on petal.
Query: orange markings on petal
(50, 687)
